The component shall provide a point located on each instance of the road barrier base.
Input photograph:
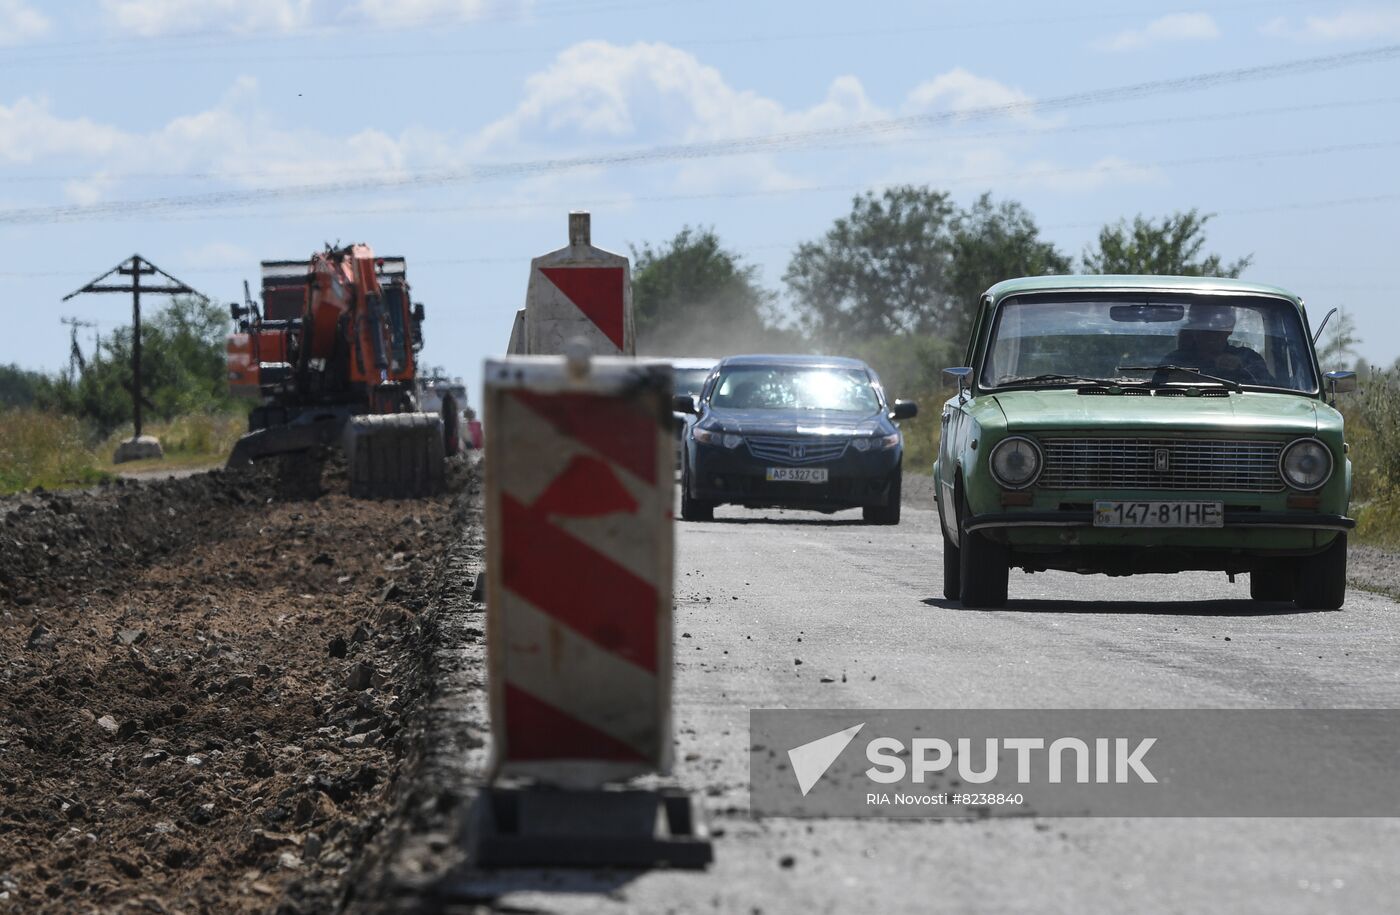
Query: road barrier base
(547, 827)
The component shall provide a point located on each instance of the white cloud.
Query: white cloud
(1172, 27)
(1368, 23)
(19, 22)
(595, 97)
(149, 18)
(29, 131)
(601, 92)
(233, 141)
(960, 91)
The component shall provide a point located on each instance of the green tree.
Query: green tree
(883, 269)
(994, 242)
(182, 367)
(691, 295)
(1171, 247)
(19, 387)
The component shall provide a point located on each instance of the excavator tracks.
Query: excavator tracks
(395, 456)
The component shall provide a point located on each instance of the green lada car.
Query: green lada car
(1127, 424)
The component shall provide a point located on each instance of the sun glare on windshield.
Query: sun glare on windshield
(784, 388)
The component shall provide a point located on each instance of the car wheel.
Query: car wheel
(952, 567)
(889, 512)
(1322, 579)
(1272, 582)
(983, 572)
(694, 509)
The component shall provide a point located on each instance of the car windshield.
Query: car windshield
(689, 381)
(1130, 338)
(782, 387)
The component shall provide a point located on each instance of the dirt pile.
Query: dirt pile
(203, 691)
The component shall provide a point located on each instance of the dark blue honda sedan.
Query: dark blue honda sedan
(807, 432)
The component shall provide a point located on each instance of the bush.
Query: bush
(44, 449)
(1373, 431)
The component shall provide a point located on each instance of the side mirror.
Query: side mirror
(904, 409)
(685, 403)
(960, 377)
(1341, 382)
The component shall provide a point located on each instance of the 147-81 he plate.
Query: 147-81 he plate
(1112, 513)
(797, 474)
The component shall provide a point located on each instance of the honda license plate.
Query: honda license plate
(797, 475)
(1158, 514)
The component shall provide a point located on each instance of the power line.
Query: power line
(1027, 131)
(695, 151)
(606, 202)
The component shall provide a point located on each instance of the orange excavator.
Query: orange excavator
(331, 358)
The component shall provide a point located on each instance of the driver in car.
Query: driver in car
(1204, 343)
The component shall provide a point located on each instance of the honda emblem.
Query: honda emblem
(797, 452)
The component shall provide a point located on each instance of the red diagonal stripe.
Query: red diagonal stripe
(587, 488)
(577, 585)
(609, 425)
(537, 730)
(597, 291)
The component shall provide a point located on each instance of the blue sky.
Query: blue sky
(210, 135)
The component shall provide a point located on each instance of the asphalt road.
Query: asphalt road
(861, 607)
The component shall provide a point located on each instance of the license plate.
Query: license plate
(1159, 514)
(797, 474)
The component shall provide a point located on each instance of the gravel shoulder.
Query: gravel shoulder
(204, 689)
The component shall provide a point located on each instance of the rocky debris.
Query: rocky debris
(173, 688)
(131, 636)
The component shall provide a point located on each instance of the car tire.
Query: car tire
(952, 567)
(889, 512)
(984, 572)
(1271, 582)
(1322, 579)
(694, 509)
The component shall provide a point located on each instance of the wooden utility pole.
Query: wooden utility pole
(76, 362)
(136, 267)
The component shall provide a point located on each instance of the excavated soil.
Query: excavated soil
(204, 688)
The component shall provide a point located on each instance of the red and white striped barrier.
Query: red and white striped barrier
(579, 563)
(578, 295)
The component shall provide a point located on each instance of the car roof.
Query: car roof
(689, 362)
(1128, 283)
(794, 359)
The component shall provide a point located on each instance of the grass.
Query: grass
(55, 451)
(196, 440)
(921, 433)
(44, 449)
(1373, 433)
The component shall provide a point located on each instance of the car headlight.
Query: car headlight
(1306, 464)
(1015, 462)
(715, 437)
(878, 442)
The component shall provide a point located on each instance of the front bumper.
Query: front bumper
(736, 477)
(1258, 520)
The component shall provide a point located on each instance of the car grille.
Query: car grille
(1155, 463)
(796, 451)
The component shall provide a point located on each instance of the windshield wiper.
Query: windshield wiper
(1056, 376)
(1229, 383)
